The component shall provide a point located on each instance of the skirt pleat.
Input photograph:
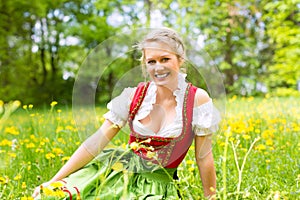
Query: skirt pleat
(115, 174)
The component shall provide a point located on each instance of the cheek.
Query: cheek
(175, 67)
(149, 69)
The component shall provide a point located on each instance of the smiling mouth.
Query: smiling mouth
(161, 75)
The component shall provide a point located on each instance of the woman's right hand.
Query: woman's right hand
(36, 191)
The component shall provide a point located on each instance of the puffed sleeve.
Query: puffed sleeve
(206, 119)
(119, 107)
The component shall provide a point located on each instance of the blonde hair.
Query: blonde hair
(166, 36)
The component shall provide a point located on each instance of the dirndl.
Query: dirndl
(115, 174)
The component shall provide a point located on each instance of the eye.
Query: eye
(165, 59)
(151, 62)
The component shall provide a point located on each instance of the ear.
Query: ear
(181, 61)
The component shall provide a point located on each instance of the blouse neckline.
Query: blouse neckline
(150, 100)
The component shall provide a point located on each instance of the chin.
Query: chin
(165, 83)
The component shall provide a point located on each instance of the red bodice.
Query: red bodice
(168, 152)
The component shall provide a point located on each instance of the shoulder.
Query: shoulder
(201, 97)
(139, 89)
(125, 95)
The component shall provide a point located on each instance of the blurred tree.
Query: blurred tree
(231, 32)
(282, 19)
(44, 43)
(32, 57)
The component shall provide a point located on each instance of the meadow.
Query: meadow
(256, 150)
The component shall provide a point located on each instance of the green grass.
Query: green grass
(34, 144)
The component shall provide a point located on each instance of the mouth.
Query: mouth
(162, 75)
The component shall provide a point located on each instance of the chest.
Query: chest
(161, 115)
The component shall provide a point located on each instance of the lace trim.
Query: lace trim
(150, 99)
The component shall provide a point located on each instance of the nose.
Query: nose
(159, 67)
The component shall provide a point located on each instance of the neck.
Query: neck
(164, 93)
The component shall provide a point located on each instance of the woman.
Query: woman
(165, 115)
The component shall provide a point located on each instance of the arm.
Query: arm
(86, 152)
(203, 153)
(205, 162)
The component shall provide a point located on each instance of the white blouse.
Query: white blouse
(205, 117)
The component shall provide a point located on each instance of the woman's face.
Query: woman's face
(162, 65)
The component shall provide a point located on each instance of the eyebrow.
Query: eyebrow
(162, 56)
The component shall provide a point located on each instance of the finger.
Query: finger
(36, 192)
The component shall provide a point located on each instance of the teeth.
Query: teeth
(161, 75)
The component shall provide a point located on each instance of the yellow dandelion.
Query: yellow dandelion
(61, 140)
(260, 147)
(53, 103)
(30, 145)
(150, 154)
(39, 150)
(272, 148)
(246, 137)
(3, 180)
(1, 107)
(30, 106)
(118, 166)
(65, 158)
(191, 169)
(269, 142)
(17, 177)
(58, 193)
(46, 140)
(134, 146)
(58, 151)
(70, 128)
(57, 184)
(118, 142)
(12, 130)
(222, 144)
(27, 198)
(268, 161)
(6, 142)
(124, 145)
(250, 99)
(50, 156)
(12, 155)
(257, 131)
(24, 185)
(25, 107)
(233, 98)
(48, 192)
(190, 162)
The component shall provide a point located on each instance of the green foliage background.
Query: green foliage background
(255, 43)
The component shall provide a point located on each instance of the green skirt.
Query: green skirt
(115, 174)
